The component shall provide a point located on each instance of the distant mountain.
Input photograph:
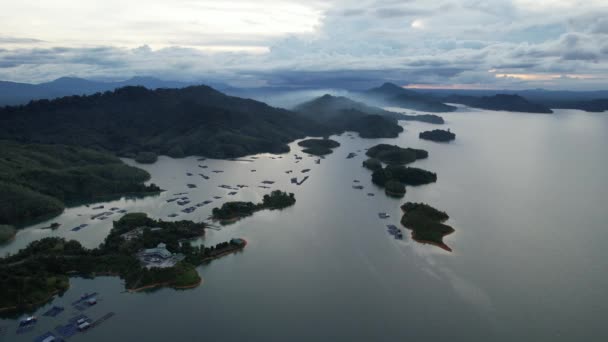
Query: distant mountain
(196, 120)
(505, 102)
(393, 95)
(342, 114)
(591, 101)
(13, 93)
(328, 106)
(597, 105)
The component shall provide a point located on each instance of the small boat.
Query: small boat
(188, 174)
(383, 215)
(28, 321)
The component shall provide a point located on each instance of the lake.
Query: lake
(526, 195)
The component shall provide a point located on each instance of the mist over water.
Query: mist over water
(525, 193)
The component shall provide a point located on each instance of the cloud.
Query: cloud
(339, 44)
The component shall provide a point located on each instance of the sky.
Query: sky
(479, 44)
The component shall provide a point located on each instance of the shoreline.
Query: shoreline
(166, 284)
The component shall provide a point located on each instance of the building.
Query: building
(160, 251)
(159, 257)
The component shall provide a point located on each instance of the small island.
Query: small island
(145, 253)
(146, 157)
(392, 154)
(438, 135)
(233, 211)
(403, 174)
(394, 188)
(428, 118)
(426, 224)
(318, 147)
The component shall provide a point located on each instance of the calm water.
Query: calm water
(526, 195)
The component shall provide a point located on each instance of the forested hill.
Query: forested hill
(196, 120)
(36, 180)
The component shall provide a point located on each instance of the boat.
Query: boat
(383, 215)
(28, 321)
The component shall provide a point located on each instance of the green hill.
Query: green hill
(195, 120)
(36, 180)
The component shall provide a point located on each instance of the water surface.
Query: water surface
(526, 194)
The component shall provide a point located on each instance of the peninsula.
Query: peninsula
(145, 253)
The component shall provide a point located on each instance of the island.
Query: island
(37, 180)
(394, 188)
(145, 253)
(392, 154)
(403, 174)
(318, 147)
(233, 211)
(438, 135)
(146, 157)
(426, 224)
(372, 164)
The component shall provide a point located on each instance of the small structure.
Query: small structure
(159, 257)
(160, 251)
(138, 232)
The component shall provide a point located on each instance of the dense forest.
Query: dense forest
(195, 120)
(33, 275)
(426, 223)
(37, 180)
